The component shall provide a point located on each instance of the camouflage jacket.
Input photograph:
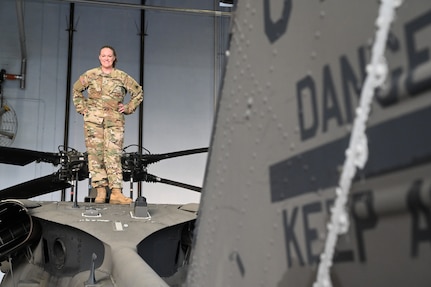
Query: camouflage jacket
(105, 93)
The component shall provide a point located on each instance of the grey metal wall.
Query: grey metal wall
(181, 77)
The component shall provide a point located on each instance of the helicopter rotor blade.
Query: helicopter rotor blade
(153, 178)
(17, 156)
(35, 187)
(152, 158)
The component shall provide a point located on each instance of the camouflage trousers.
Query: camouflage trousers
(104, 147)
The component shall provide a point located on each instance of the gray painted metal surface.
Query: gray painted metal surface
(284, 118)
(112, 238)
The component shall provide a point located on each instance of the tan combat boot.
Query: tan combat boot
(101, 195)
(118, 198)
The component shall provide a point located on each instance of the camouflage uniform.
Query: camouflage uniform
(103, 123)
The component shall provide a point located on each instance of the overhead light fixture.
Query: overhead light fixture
(226, 3)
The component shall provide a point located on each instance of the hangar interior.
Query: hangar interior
(175, 49)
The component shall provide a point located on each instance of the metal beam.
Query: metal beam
(149, 8)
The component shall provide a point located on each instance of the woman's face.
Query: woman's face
(106, 58)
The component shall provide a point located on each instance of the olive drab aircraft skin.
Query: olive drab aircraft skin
(284, 119)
